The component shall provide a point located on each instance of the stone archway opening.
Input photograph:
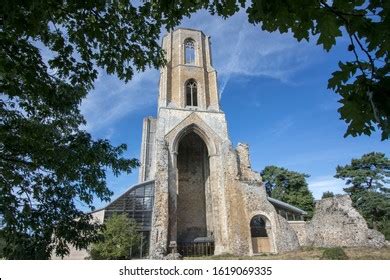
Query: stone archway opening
(193, 176)
(260, 235)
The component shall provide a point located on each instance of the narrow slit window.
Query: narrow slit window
(189, 51)
(191, 93)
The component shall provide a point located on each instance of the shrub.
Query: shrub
(2, 246)
(120, 237)
(327, 194)
(385, 229)
(336, 253)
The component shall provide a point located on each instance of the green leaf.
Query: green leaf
(328, 27)
(288, 186)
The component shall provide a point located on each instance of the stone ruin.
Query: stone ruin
(193, 185)
(336, 223)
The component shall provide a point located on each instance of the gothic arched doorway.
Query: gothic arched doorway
(259, 235)
(193, 174)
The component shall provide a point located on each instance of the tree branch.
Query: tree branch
(352, 35)
(367, 53)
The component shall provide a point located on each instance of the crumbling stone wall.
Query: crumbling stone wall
(285, 237)
(247, 198)
(160, 218)
(235, 206)
(245, 171)
(300, 229)
(337, 223)
(282, 237)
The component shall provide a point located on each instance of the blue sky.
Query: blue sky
(274, 94)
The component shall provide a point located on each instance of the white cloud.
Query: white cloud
(282, 126)
(321, 184)
(113, 99)
(238, 49)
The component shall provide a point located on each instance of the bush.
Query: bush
(327, 194)
(120, 238)
(336, 253)
(2, 246)
(385, 229)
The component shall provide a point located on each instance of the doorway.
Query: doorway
(259, 235)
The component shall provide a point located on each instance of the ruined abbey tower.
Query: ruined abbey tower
(205, 189)
(197, 195)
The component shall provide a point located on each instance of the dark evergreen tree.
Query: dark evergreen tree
(327, 194)
(368, 181)
(288, 186)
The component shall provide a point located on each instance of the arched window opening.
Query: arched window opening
(191, 93)
(189, 51)
(258, 227)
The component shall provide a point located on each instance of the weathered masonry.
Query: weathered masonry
(205, 191)
(197, 195)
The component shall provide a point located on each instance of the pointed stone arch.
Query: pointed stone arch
(193, 123)
(189, 47)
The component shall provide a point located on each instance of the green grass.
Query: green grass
(309, 253)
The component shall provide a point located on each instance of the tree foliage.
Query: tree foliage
(368, 179)
(47, 162)
(119, 236)
(50, 53)
(288, 186)
(327, 194)
(370, 172)
(2, 245)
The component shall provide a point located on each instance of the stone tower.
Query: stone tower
(204, 189)
(194, 187)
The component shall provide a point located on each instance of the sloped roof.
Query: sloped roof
(287, 206)
(130, 189)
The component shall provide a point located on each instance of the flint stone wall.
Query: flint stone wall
(231, 184)
(300, 229)
(248, 198)
(337, 223)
